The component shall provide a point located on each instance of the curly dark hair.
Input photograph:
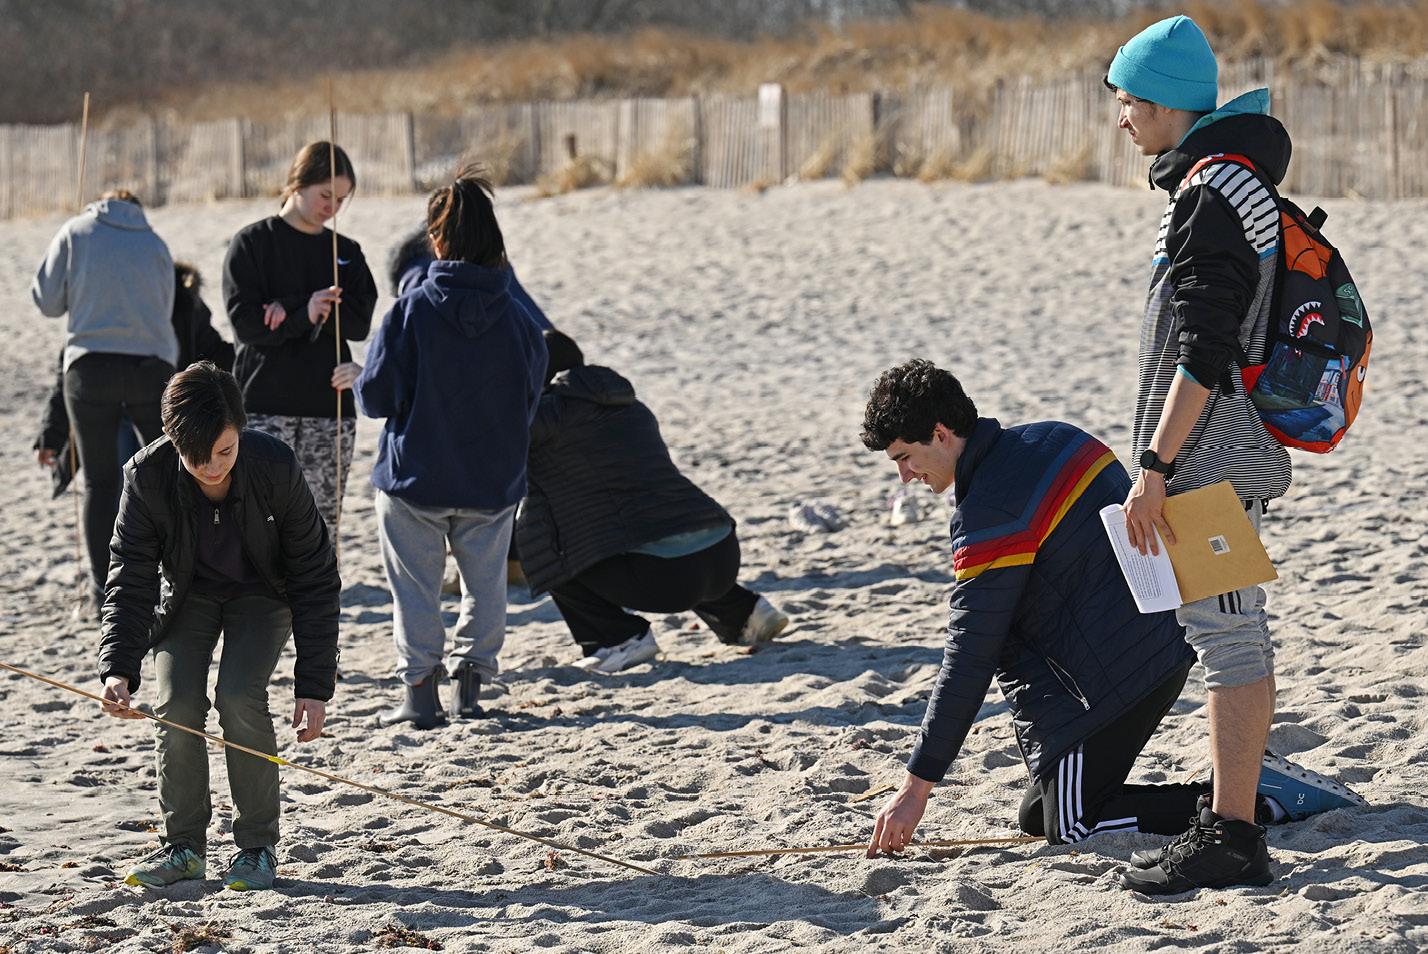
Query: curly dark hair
(909, 401)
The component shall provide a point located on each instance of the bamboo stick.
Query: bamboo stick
(73, 449)
(962, 843)
(337, 778)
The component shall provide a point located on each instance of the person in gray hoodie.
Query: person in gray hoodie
(114, 276)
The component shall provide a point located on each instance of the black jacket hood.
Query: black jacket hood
(1261, 139)
(593, 383)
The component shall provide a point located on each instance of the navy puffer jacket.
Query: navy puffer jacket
(600, 480)
(1040, 602)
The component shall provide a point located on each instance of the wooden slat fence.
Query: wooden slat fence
(591, 128)
(1358, 129)
(820, 131)
(41, 166)
(664, 128)
(201, 161)
(737, 151)
(502, 138)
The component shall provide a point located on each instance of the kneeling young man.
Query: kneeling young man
(1039, 603)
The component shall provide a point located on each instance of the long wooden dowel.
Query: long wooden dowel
(1020, 840)
(81, 571)
(337, 778)
(336, 309)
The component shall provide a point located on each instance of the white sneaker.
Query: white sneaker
(831, 519)
(632, 652)
(814, 516)
(802, 517)
(763, 624)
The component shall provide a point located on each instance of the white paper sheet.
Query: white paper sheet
(1151, 578)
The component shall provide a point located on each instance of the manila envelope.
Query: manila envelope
(1216, 549)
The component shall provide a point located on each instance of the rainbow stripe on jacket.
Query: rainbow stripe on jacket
(1015, 542)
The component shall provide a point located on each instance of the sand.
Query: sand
(753, 325)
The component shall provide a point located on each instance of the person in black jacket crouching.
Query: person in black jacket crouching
(609, 522)
(217, 534)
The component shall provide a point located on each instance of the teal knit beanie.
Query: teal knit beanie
(1169, 63)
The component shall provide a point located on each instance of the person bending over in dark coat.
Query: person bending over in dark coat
(217, 535)
(609, 522)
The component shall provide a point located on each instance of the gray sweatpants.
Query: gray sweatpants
(1230, 633)
(414, 541)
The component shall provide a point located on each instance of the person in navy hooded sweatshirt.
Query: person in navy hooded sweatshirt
(457, 370)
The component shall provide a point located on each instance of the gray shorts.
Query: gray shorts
(1230, 633)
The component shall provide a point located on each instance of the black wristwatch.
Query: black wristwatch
(1148, 461)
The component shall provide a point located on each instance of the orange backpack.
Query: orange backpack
(1309, 388)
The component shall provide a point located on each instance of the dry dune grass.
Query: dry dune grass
(979, 166)
(934, 45)
(865, 157)
(580, 172)
(497, 155)
(1072, 167)
(671, 164)
(816, 166)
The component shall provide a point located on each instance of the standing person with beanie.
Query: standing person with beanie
(611, 525)
(217, 535)
(115, 278)
(456, 369)
(1212, 277)
(277, 284)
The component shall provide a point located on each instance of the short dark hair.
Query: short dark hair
(909, 401)
(199, 403)
(462, 219)
(563, 353)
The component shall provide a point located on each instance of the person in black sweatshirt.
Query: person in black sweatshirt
(277, 284)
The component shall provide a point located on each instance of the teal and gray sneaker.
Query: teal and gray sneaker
(1301, 792)
(253, 870)
(169, 865)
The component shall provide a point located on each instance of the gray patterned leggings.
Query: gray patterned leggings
(314, 441)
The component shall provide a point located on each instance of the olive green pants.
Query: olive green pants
(254, 630)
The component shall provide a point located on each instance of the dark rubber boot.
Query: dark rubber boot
(422, 705)
(463, 703)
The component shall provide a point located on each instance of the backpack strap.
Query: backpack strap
(1220, 157)
(1227, 385)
